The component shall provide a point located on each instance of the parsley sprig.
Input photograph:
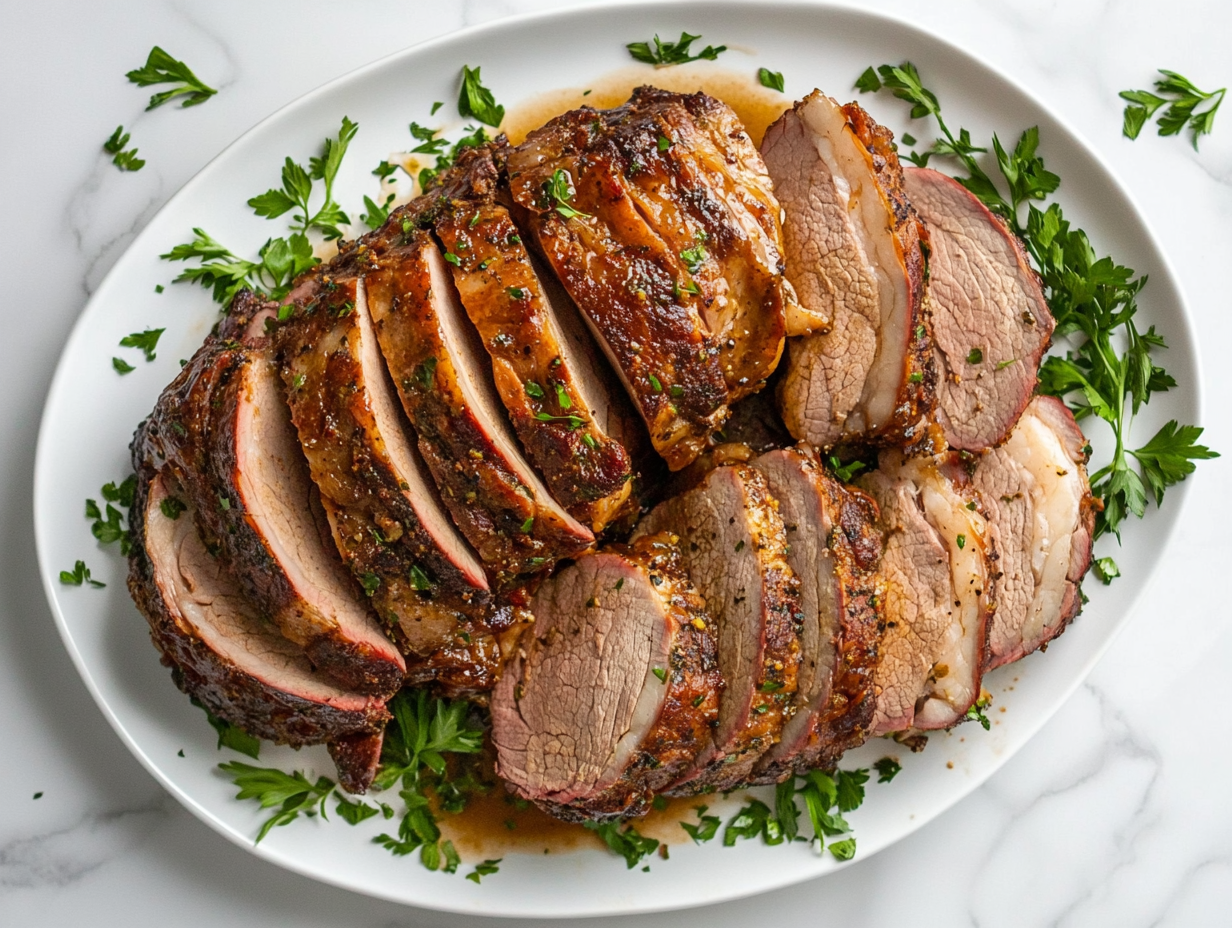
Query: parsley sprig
(1182, 100)
(668, 53)
(223, 272)
(297, 188)
(290, 793)
(78, 575)
(161, 68)
(125, 160)
(109, 524)
(1110, 371)
(476, 100)
(626, 841)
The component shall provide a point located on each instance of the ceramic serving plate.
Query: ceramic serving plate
(91, 413)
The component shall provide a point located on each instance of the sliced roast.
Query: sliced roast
(561, 397)
(1035, 491)
(444, 379)
(834, 548)
(938, 575)
(734, 546)
(224, 429)
(574, 199)
(990, 322)
(853, 251)
(612, 693)
(219, 648)
(386, 517)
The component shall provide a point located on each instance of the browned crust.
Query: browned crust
(911, 425)
(586, 469)
(514, 533)
(356, 758)
(774, 686)
(223, 688)
(625, 281)
(691, 704)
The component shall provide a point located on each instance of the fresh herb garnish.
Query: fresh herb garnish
(172, 507)
(560, 189)
(280, 261)
(354, 812)
(629, 843)
(476, 100)
(887, 769)
(78, 575)
(706, 828)
(292, 793)
(845, 472)
(486, 868)
(694, 257)
(562, 397)
(297, 185)
(666, 53)
(121, 366)
(1093, 299)
(1106, 570)
(771, 79)
(147, 341)
(420, 581)
(124, 160)
(975, 356)
(229, 736)
(574, 421)
(752, 820)
(375, 214)
(976, 712)
(161, 68)
(110, 526)
(1182, 99)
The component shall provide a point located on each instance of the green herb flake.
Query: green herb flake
(78, 575)
(668, 53)
(562, 397)
(664, 143)
(121, 366)
(1106, 570)
(486, 868)
(534, 390)
(516, 293)
(655, 384)
(171, 507)
(147, 341)
(706, 828)
(477, 101)
(629, 843)
(124, 160)
(771, 79)
(660, 673)
(975, 356)
(560, 189)
(528, 525)
(161, 68)
(887, 769)
(962, 541)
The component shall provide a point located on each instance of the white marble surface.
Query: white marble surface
(1116, 814)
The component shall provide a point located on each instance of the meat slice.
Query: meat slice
(218, 646)
(938, 579)
(444, 379)
(1039, 504)
(853, 250)
(386, 517)
(723, 224)
(734, 546)
(634, 290)
(224, 429)
(613, 693)
(834, 550)
(561, 402)
(990, 322)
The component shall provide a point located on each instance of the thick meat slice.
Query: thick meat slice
(834, 550)
(631, 287)
(612, 694)
(990, 323)
(1035, 491)
(219, 648)
(727, 235)
(936, 569)
(386, 517)
(561, 402)
(444, 378)
(734, 546)
(853, 249)
(224, 429)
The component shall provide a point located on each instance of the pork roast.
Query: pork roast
(834, 548)
(938, 574)
(569, 179)
(853, 250)
(1035, 491)
(222, 427)
(612, 694)
(734, 546)
(990, 322)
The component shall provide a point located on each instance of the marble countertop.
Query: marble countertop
(1116, 814)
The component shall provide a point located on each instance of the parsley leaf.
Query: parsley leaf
(292, 793)
(121, 366)
(559, 187)
(887, 769)
(220, 270)
(976, 712)
(845, 472)
(476, 100)
(771, 79)
(161, 68)
(1182, 99)
(752, 820)
(667, 53)
(376, 214)
(706, 828)
(486, 868)
(78, 575)
(354, 812)
(147, 341)
(297, 188)
(229, 736)
(124, 160)
(629, 843)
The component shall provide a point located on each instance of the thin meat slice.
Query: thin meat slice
(633, 290)
(990, 322)
(561, 402)
(386, 517)
(612, 694)
(444, 379)
(224, 429)
(219, 648)
(1039, 504)
(734, 547)
(936, 569)
(853, 250)
(729, 240)
(834, 550)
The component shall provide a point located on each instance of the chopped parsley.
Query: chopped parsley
(560, 189)
(629, 843)
(668, 53)
(122, 159)
(771, 79)
(121, 366)
(1183, 101)
(486, 868)
(78, 575)
(887, 769)
(147, 341)
(161, 68)
(477, 101)
(975, 356)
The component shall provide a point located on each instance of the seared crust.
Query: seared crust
(625, 279)
(356, 758)
(691, 704)
(225, 689)
(515, 527)
(586, 469)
